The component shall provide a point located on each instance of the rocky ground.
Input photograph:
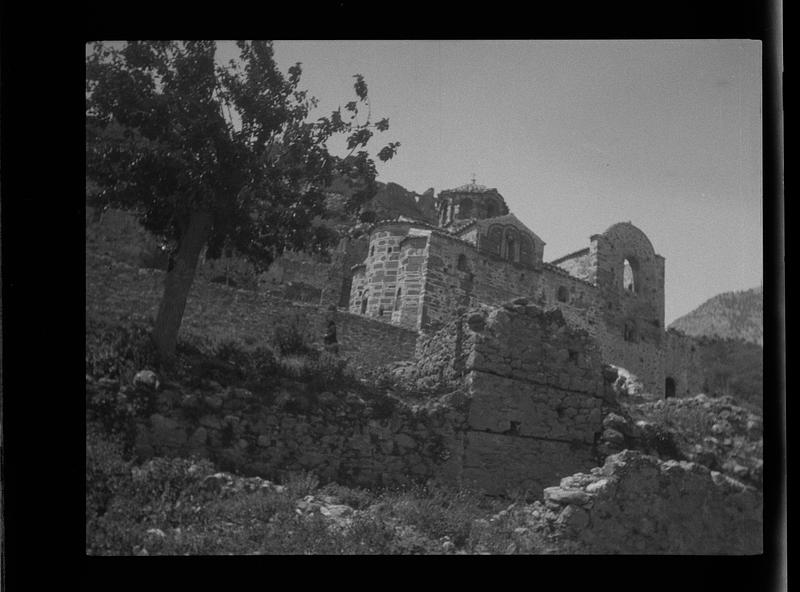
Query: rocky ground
(667, 470)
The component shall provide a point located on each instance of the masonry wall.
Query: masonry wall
(340, 436)
(294, 268)
(637, 504)
(379, 284)
(537, 399)
(407, 309)
(486, 279)
(581, 297)
(441, 356)
(682, 363)
(577, 264)
(118, 290)
(610, 249)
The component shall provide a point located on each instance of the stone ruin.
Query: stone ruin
(522, 403)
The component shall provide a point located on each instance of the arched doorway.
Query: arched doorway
(669, 387)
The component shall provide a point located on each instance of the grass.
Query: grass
(165, 507)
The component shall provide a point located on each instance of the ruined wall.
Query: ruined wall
(628, 325)
(537, 394)
(646, 304)
(296, 268)
(577, 264)
(535, 388)
(638, 504)
(563, 290)
(118, 290)
(682, 363)
(441, 356)
(340, 436)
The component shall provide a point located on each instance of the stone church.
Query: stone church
(417, 275)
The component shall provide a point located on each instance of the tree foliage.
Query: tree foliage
(218, 155)
(170, 132)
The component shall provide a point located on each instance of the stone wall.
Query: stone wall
(374, 289)
(682, 363)
(577, 264)
(482, 278)
(638, 504)
(570, 293)
(537, 398)
(645, 304)
(292, 268)
(407, 309)
(118, 290)
(441, 356)
(340, 436)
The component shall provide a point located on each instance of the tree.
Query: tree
(217, 156)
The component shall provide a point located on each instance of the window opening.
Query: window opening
(629, 276)
(669, 387)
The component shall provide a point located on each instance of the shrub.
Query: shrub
(320, 370)
(293, 335)
(438, 511)
(118, 351)
(301, 484)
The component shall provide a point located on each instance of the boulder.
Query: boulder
(146, 379)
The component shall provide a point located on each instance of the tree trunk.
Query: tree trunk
(178, 282)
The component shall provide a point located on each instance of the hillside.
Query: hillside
(732, 315)
(390, 201)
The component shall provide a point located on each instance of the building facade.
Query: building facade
(417, 275)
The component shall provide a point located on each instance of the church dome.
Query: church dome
(470, 188)
(469, 202)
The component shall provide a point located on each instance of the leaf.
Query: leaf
(383, 124)
(387, 152)
(361, 87)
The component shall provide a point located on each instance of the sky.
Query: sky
(576, 136)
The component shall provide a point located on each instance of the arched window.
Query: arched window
(372, 252)
(397, 298)
(465, 208)
(511, 247)
(364, 301)
(562, 294)
(462, 265)
(629, 272)
(669, 387)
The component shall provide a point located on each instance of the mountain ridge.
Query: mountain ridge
(729, 315)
